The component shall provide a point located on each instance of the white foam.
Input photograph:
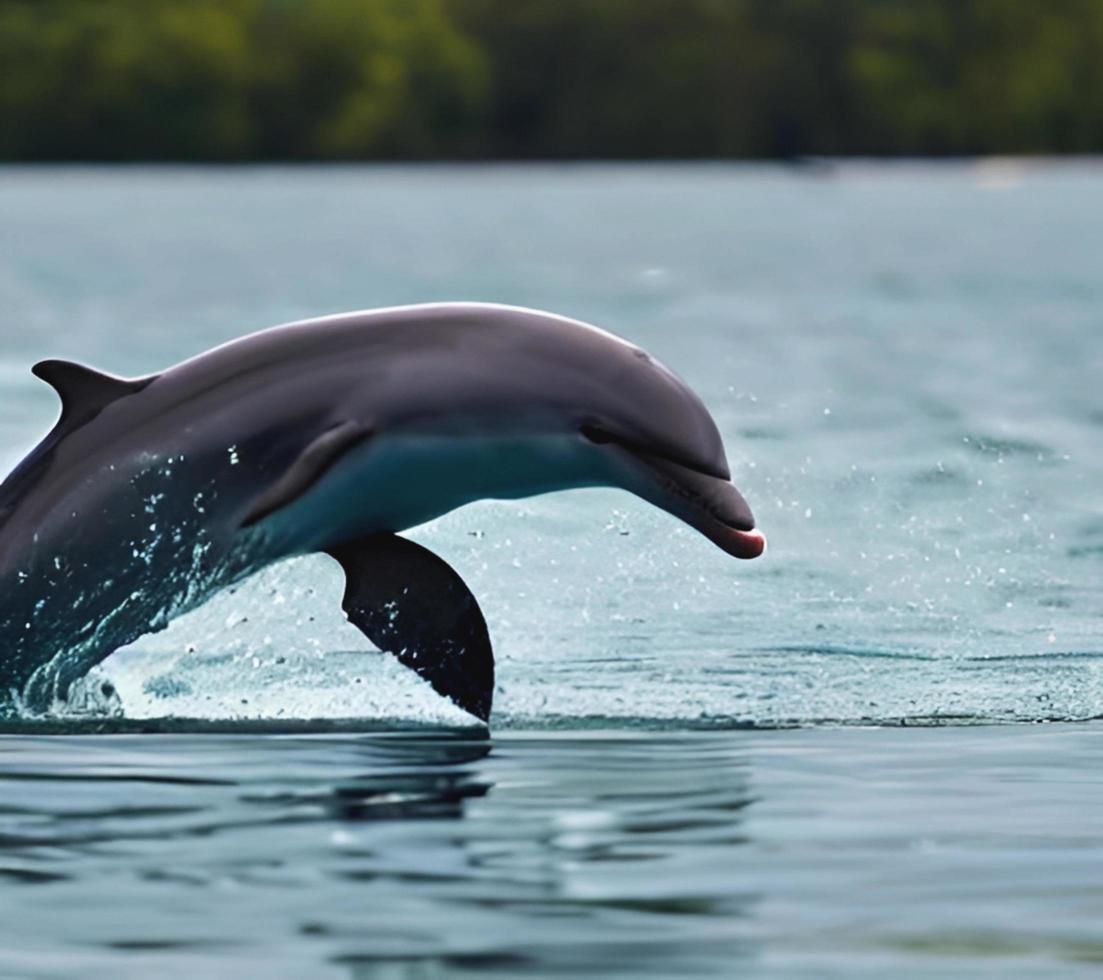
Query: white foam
(276, 648)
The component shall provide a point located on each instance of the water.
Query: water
(904, 362)
(812, 853)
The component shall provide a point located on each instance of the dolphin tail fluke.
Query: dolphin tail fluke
(411, 603)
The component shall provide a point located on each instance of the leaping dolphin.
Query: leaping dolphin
(332, 435)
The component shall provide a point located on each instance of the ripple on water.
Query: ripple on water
(615, 853)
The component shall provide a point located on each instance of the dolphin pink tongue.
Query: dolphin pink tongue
(744, 544)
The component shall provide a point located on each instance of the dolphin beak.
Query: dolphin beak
(704, 501)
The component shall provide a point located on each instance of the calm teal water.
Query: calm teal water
(905, 364)
(939, 852)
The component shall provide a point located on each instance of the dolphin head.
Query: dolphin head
(569, 405)
(657, 440)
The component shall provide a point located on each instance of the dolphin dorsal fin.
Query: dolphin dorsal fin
(84, 391)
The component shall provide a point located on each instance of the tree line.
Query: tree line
(557, 79)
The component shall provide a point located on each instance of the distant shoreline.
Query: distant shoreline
(826, 163)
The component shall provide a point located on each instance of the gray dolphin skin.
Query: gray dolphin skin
(331, 435)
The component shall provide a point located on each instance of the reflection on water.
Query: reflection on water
(843, 852)
(408, 855)
(415, 778)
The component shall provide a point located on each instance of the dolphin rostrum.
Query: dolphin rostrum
(151, 494)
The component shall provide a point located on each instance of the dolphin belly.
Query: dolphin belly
(392, 485)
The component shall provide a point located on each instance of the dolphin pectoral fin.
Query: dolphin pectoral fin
(309, 467)
(411, 603)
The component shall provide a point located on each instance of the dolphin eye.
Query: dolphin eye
(596, 435)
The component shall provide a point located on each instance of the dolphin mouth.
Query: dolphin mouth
(706, 502)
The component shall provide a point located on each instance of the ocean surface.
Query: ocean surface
(829, 762)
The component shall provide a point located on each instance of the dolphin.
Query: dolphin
(332, 435)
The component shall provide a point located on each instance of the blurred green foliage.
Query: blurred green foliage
(425, 79)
